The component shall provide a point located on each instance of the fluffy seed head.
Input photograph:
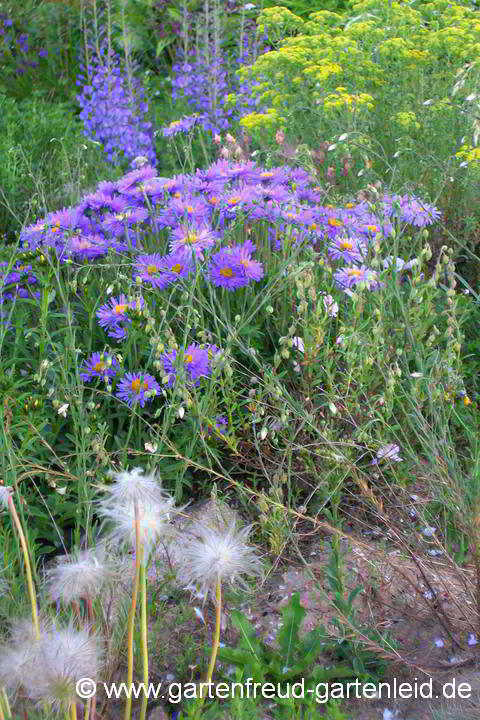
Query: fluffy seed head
(155, 509)
(49, 668)
(208, 554)
(79, 576)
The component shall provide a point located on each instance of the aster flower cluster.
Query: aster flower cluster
(19, 282)
(114, 110)
(197, 210)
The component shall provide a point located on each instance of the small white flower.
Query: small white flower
(249, 6)
(434, 552)
(472, 639)
(151, 447)
(330, 306)
(181, 412)
(6, 491)
(429, 531)
(416, 375)
(343, 137)
(388, 452)
(63, 410)
(439, 642)
(297, 342)
(263, 433)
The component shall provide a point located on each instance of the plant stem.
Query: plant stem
(143, 637)
(131, 616)
(73, 711)
(28, 570)
(215, 646)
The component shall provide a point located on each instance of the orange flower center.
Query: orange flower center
(188, 358)
(119, 309)
(56, 227)
(99, 366)
(177, 194)
(152, 269)
(137, 384)
(189, 209)
(191, 238)
(353, 272)
(346, 245)
(226, 272)
(213, 200)
(335, 222)
(372, 228)
(233, 200)
(266, 174)
(313, 226)
(177, 268)
(349, 205)
(123, 216)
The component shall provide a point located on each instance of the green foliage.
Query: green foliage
(50, 26)
(47, 162)
(295, 658)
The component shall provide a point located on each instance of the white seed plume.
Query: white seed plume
(155, 509)
(208, 554)
(48, 668)
(59, 660)
(82, 575)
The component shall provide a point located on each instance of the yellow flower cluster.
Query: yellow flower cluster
(335, 61)
(469, 154)
(341, 100)
(406, 120)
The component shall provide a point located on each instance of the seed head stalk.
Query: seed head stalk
(215, 646)
(143, 636)
(131, 614)
(5, 712)
(28, 569)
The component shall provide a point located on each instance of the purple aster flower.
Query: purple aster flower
(101, 365)
(179, 264)
(134, 178)
(163, 270)
(242, 254)
(417, 213)
(186, 208)
(190, 237)
(348, 249)
(86, 246)
(226, 270)
(348, 277)
(137, 388)
(121, 222)
(399, 262)
(114, 315)
(196, 363)
(221, 424)
(184, 125)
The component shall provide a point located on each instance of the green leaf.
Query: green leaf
(248, 635)
(162, 44)
(287, 636)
